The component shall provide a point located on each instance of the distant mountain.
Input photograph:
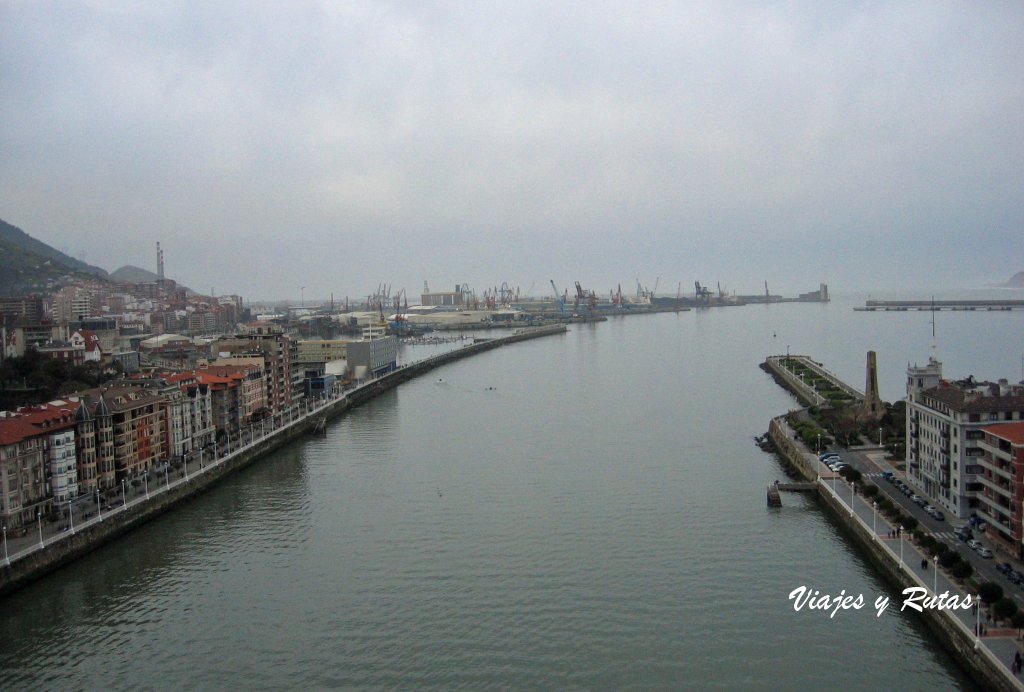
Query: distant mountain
(1016, 281)
(130, 274)
(28, 265)
(12, 235)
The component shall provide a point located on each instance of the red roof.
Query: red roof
(1011, 432)
(14, 430)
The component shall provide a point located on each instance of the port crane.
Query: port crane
(703, 293)
(558, 298)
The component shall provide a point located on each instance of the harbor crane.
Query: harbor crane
(558, 298)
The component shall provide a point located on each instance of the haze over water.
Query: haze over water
(597, 520)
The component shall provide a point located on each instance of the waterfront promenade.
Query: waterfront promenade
(988, 652)
(91, 520)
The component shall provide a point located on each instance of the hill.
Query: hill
(15, 236)
(28, 265)
(130, 274)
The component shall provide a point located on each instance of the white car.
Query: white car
(974, 544)
(985, 553)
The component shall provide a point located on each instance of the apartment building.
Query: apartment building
(23, 488)
(1002, 478)
(945, 421)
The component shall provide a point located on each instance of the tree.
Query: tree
(939, 549)
(870, 490)
(990, 592)
(1004, 608)
(851, 474)
(949, 558)
(909, 522)
(1017, 620)
(962, 570)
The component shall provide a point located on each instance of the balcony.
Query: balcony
(1002, 491)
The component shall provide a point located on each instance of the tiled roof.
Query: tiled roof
(1012, 432)
(14, 430)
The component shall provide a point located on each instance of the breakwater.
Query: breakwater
(51, 553)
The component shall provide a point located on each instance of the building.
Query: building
(280, 364)
(945, 421)
(372, 358)
(127, 423)
(1002, 478)
(23, 488)
(322, 350)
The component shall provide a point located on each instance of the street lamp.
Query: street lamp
(899, 533)
(874, 516)
(99, 510)
(879, 437)
(124, 494)
(39, 518)
(7, 560)
(819, 444)
(71, 517)
(167, 473)
(935, 574)
(853, 491)
(145, 479)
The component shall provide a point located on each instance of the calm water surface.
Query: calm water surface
(596, 520)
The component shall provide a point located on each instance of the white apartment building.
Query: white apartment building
(944, 432)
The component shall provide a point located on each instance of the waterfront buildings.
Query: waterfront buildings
(945, 427)
(1002, 479)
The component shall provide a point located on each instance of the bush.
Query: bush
(1017, 620)
(851, 474)
(909, 523)
(924, 540)
(939, 549)
(869, 491)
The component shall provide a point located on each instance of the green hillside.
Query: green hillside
(28, 265)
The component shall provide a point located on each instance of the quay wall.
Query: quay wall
(117, 522)
(957, 639)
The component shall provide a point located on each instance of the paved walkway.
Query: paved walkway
(1002, 643)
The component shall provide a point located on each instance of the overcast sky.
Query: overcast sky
(339, 145)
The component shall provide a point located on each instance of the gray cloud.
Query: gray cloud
(337, 145)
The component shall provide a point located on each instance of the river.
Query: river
(577, 511)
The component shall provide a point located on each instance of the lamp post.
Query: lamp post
(167, 473)
(7, 560)
(874, 517)
(935, 575)
(145, 479)
(39, 519)
(124, 494)
(71, 517)
(185, 462)
(879, 437)
(853, 491)
(818, 447)
(99, 510)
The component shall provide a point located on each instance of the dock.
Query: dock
(929, 305)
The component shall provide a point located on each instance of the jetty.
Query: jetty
(929, 305)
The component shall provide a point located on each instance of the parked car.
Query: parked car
(1004, 568)
(937, 515)
(963, 533)
(889, 476)
(1016, 578)
(825, 456)
(974, 544)
(985, 553)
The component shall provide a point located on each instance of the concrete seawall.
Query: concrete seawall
(59, 551)
(955, 636)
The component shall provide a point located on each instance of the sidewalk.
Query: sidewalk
(1002, 643)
